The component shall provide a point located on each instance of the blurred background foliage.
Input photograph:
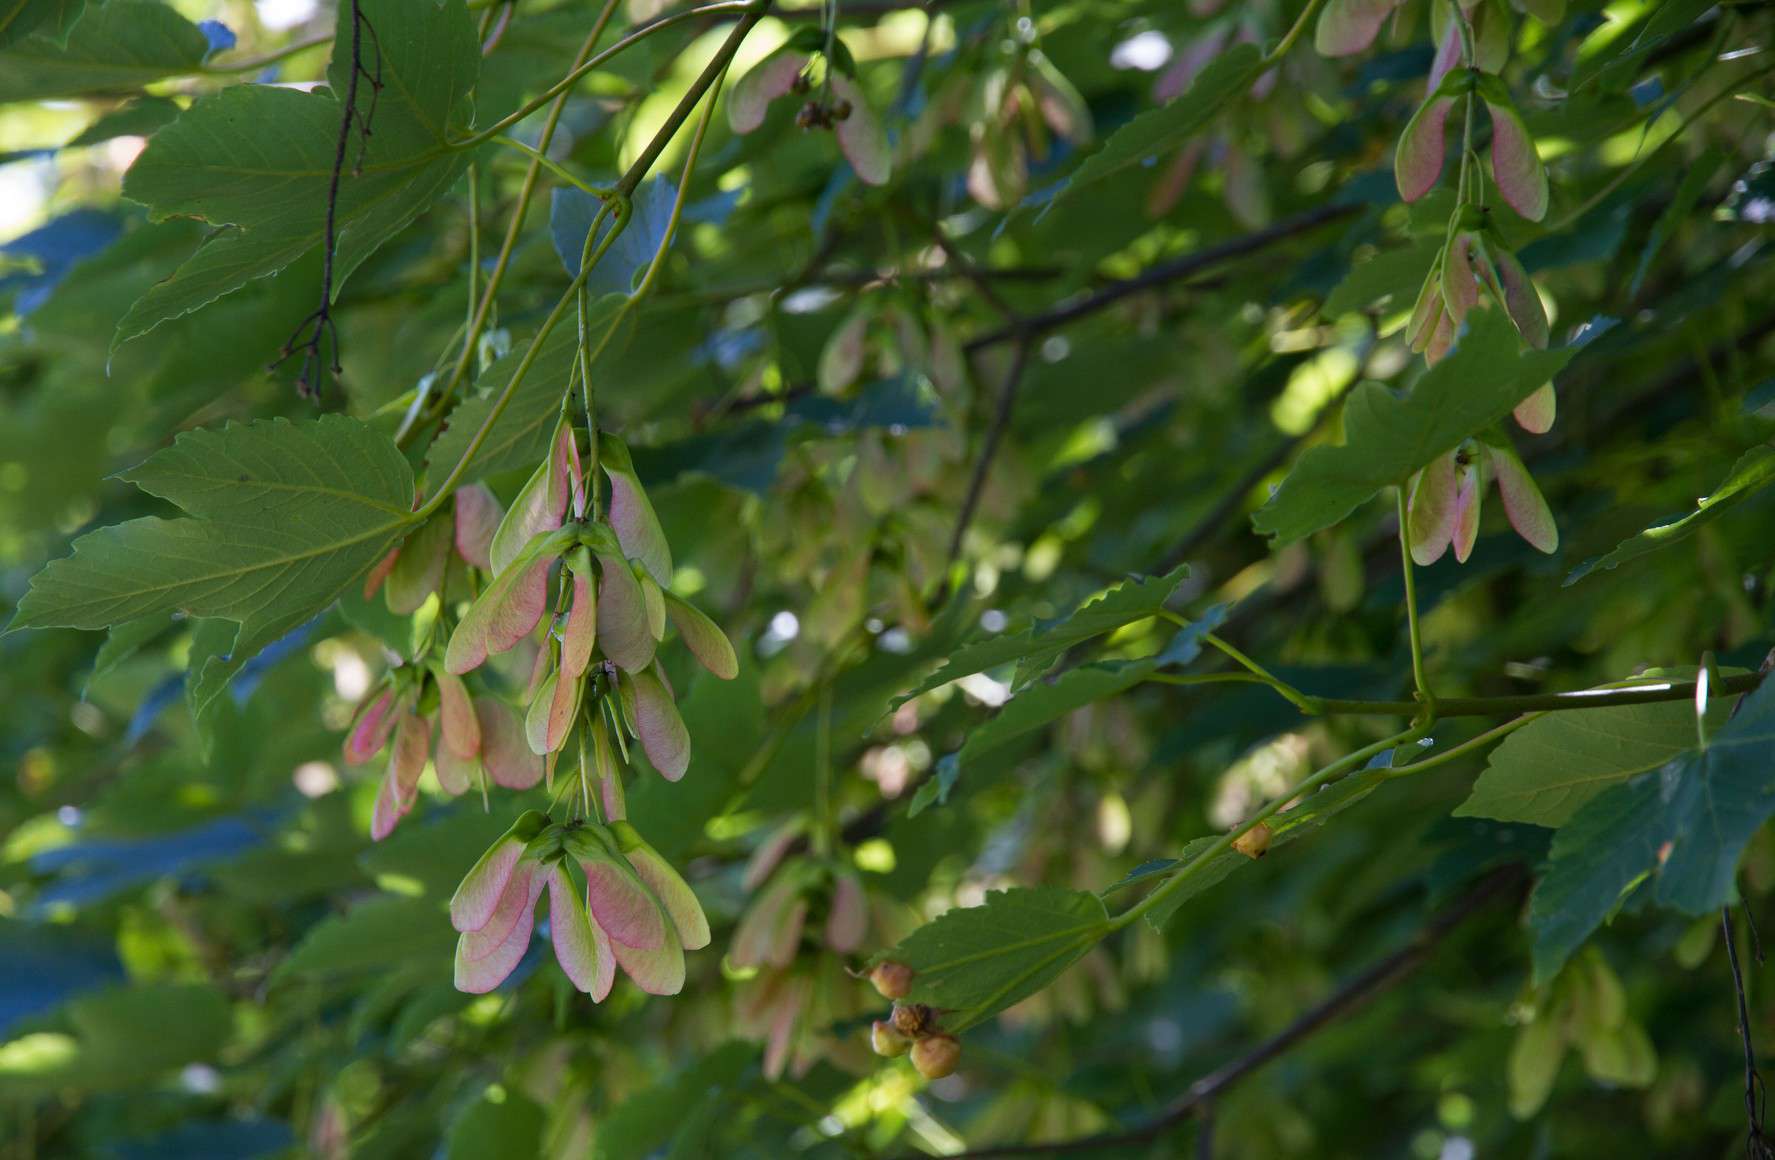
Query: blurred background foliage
(203, 954)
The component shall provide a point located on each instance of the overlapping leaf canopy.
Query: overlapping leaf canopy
(1048, 492)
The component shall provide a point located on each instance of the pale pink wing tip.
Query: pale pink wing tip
(1349, 26)
(1536, 413)
(1418, 161)
(1516, 167)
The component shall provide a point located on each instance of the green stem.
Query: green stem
(1495, 734)
(552, 166)
(1472, 745)
(254, 64)
(1305, 703)
(1189, 680)
(754, 9)
(524, 364)
(588, 355)
(1324, 777)
(1411, 610)
(659, 253)
(519, 211)
(1614, 183)
(824, 823)
(1594, 698)
(712, 72)
(1545, 702)
(1295, 32)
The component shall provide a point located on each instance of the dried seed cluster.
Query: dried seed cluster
(911, 1027)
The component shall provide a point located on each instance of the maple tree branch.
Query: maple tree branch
(318, 326)
(1379, 977)
(1165, 273)
(1515, 703)
(1001, 419)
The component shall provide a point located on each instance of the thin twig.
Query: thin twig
(1592, 698)
(319, 326)
(1007, 404)
(1347, 999)
(1164, 273)
(1756, 1145)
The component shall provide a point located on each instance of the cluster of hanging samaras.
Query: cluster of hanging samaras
(596, 685)
(1475, 267)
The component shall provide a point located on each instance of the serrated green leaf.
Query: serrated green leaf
(1035, 648)
(1393, 274)
(1172, 124)
(640, 1126)
(1545, 771)
(1285, 827)
(291, 515)
(51, 19)
(973, 962)
(519, 439)
(1682, 204)
(140, 118)
(128, 1037)
(123, 641)
(512, 1125)
(1685, 824)
(1388, 436)
(383, 932)
(1754, 471)
(259, 160)
(121, 45)
(1041, 704)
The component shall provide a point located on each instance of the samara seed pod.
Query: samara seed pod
(936, 1056)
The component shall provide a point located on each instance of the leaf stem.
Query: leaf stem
(754, 9)
(1593, 698)
(712, 72)
(553, 166)
(450, 481)
(255, 63)
(1411, 609)
(1324, 777)
(1275, 55)
(520, 210)
(1471, 745)
(586, 356)
(1302, 701)
(1470, 60)
(1731, 90)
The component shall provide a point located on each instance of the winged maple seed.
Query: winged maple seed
(477, 738)
(635, 911)
(1473, 269)
(611, 602)
(840, 104)
(1021, 103)
(456, 538)
(1446, 498)
(597, 677)
(1347, 27)
(801, 988)
(1517, 171)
